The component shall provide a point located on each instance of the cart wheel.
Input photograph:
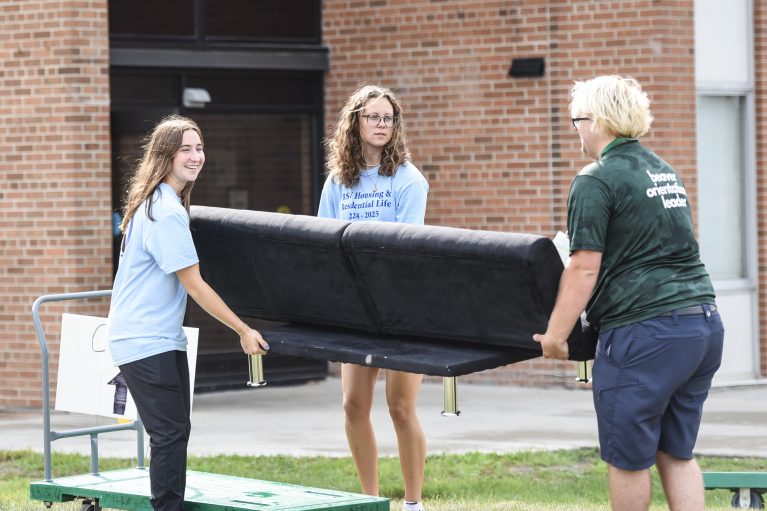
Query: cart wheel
(757, 501)
(90, 505)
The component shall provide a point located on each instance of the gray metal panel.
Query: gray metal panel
(294, 59)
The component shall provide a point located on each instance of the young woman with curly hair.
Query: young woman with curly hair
(371, 178)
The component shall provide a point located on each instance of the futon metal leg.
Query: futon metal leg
(584, 371)
(450, 397)
(255, 371)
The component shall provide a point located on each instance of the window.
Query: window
(204, 21)
(263, 20)
(171, 18)
(721, 178)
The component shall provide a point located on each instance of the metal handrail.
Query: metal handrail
(50, 436)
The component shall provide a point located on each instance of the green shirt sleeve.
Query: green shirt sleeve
(588, 214)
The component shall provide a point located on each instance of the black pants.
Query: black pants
(160, 388)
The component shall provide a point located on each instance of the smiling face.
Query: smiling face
(187, 162)
(376, 135)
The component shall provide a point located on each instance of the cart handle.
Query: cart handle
(48, 435)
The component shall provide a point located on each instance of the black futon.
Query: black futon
(424, 299)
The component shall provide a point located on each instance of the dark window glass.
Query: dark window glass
(149, 17)
(266, 20)
(256, 161)
(144, 89)
(269, 91)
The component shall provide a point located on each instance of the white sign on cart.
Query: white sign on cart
(87, 381)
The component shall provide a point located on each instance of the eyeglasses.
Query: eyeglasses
(577, 121)
(374, 119)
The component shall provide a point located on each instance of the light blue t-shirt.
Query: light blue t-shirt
(398, 198)
(148, 299)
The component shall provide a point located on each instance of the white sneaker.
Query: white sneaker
(412, 507)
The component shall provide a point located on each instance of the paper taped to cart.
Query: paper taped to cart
(87, 381)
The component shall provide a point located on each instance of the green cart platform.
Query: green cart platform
(129, 489)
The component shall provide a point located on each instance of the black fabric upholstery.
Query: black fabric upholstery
(410, 354)
(478, 287)
(425, 299)
(278, 267)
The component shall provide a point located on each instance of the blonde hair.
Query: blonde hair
(616, 105)
(344, 147)
(160, 147)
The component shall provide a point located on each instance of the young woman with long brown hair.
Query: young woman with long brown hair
(158, 268)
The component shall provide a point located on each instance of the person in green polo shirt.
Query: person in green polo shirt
(636, 270)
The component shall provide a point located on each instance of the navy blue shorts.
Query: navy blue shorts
(650, 381)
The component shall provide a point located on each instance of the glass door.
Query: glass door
(256, 161)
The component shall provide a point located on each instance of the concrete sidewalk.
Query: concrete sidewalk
(308, 420)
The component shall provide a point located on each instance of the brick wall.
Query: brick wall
(54, 174)
(500, 152)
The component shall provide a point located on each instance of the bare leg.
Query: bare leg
(630, 490)
(401, 395)
(682, 482)
(358, 383)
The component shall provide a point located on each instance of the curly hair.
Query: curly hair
(344, 148)
(156, 163)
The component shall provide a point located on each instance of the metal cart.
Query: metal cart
(129, 488)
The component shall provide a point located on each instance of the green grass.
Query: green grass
(570, 480)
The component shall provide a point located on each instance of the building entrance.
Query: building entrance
(262, 137)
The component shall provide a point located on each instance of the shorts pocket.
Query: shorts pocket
(676, 337)
(617, 386)
(631, 349)
(603, 354)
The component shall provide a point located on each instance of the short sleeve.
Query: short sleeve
(170, 243)
(588, 214)
(411, 199)
(328, 200)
